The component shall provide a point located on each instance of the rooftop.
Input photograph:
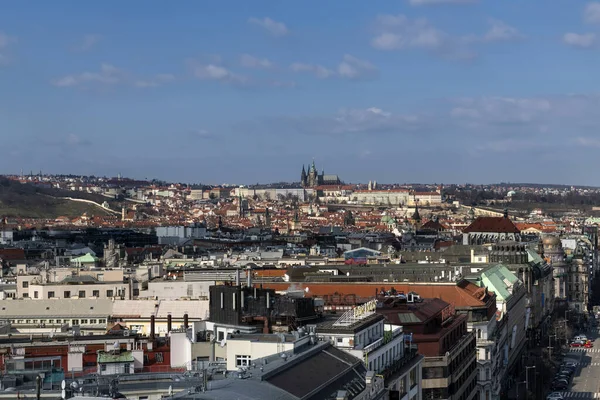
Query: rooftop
(114, 357)
(492, 224)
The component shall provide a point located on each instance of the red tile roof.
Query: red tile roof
(462, 294)
(12, 254)
(492, 224)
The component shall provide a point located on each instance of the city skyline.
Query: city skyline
(417, 90)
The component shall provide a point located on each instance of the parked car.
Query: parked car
(588, 345)
(569, 365)
(580, 337)
(577, 343)
(559, 377)
(555, 396)
(559, 385)
(566, 371)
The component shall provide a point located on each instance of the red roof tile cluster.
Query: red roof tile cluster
(12, 254)
(462, 294)
(492, 224)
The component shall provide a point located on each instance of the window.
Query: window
(220, 335)
(487, 374)
(340, 340)
(25, 295)
(109, 293)
(102, 367)
(82, 294)
(50, 295)
(25, 284)
(101, 321)
(58, 321)
(126, 368)
(96, 293)
(159, 357)
(242, 361)
(146, 359)
(35, 294)
(413, 377)
(92, 321)
(75, 322)
(84, 321)
(50, 321)
(67, 294)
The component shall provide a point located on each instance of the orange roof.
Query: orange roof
(462, 294)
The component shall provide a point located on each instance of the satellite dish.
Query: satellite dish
(116, 345)
(222, 343)
(63, 394)
(63, 385)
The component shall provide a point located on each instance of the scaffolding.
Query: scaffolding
(357, 314)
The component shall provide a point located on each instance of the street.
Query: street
(586, 381)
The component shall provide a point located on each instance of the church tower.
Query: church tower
(303, 177)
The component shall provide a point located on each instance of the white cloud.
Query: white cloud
(249, 61)
(202, 134)
(75, 140)
(398, 32)
(349, 68)
(88, 42)
(587, 141)
(273, 27)
(354, 68)
(432, 2)
(585, 40)
(108, 75)
(319, 71)
(591, 13)
(214, 72)
(499, 30)
(157, 80)
(5, 42)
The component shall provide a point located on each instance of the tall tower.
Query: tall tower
(267, 218)
(241, 201)
(303, 177)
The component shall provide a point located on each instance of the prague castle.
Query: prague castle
(312, 178)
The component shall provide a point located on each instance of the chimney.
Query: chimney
(237, 277)
(249, 277)
(268, 300)
(185, 321)
(169, 322)
(152, 323)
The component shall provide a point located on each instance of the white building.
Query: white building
(244, 349)
(394, 197)
(363, 333)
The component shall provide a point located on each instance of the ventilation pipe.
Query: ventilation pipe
(249, 277)
(152, 323)
(237, 277)
(268, 300)
(169, 322)
(185, 321)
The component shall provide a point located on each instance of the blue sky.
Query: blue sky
(248, 91)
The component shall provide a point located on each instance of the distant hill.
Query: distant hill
(31, 201)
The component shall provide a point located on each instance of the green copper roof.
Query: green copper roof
(122, 357)
(88, 258)
(534, 257)
(499, 279)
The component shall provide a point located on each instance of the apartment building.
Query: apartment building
(364, 334)
(441, 335)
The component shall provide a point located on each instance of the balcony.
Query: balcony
(387, 337)
(410, 354)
